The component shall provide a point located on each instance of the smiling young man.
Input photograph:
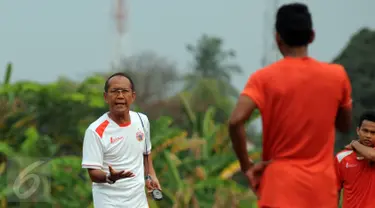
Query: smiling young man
(114, 150)
(301, 101)
(355, 166)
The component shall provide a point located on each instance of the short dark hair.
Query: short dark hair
(368, 115)
(294, 24)
(106, 85)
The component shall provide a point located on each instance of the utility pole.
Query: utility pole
(120, 15)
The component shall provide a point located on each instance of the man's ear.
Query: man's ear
(312, 37)
(278, 39)
(105, 96)
(134, 95)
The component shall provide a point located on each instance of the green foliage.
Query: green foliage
(56, 110)
(66, 174)
(193, 165)
(71, 185)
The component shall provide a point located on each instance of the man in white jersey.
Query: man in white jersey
(114, 150)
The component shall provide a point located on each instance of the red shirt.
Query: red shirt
(357, 178)
(298, 99)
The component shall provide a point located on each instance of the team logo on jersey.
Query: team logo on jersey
(115, 139)
(140, 135)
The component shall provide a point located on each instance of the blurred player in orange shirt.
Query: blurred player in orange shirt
(355, 166)
(301, 101)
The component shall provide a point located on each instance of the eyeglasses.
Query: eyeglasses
(118, 92)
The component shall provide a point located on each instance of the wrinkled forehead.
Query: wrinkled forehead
(119, 82)
(370, 125)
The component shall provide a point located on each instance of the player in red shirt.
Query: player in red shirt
(301, 101)
(355, 166)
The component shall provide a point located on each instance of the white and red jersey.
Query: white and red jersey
(357, 178)
(121, 146)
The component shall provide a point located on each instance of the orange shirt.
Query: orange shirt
(357, 178)
(298, 99)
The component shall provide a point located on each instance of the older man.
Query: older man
(117, 150)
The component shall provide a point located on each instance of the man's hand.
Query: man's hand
(363, 151)
(254, 175)
(152, 184)
(116, 175)
(349, 146)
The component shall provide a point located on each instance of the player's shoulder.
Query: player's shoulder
(331, 65)
(335, 68)
(330, 71)
(344, 155)
(270, 67)
(264, 72)
(273, 68)
(99, 125)
(135, 114)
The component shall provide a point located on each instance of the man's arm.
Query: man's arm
(344, 112)
(97, 176)
(367, 152)
(242, 112)
(252, 97)
(92, 157)
(150, 167)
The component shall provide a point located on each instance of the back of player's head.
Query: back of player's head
(368, 116)
(294, 24)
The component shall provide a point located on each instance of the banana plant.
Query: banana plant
(16, 158)
(8, 74)
(7, 103)
(168, 142)
(193, 171)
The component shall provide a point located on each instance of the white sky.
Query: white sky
(45, 39)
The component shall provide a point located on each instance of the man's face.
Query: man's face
(120, 94)
(366, 133)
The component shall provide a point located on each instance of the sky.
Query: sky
(46, 39)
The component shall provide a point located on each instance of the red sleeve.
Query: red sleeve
(339, 179)
(346, 101)
(254, 89)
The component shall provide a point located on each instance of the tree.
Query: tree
(211, 61)
(358, 58)
(154, 76)
(209, 83)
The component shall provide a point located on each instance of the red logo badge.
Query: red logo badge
(140, 135)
